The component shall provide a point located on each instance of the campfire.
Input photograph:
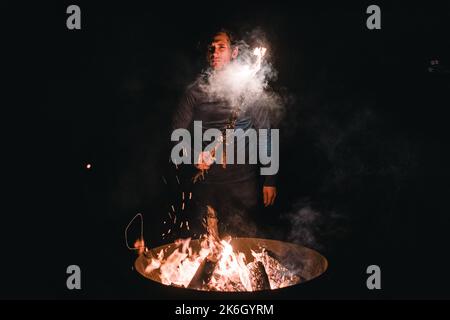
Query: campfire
(212, 263)
(232, 264)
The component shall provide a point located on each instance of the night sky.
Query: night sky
(363, 160)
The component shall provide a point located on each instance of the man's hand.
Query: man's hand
(205, 159)
(269, 194)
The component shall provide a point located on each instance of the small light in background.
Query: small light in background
(88, 166)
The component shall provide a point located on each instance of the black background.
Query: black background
(364, 142)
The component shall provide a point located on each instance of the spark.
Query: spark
(169, 231)
(187, 225)
(190, 195)
(88, 166)
(182, 196)
(182, 206)
(173, 209)
(181, 225)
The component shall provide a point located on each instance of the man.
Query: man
(234, 191)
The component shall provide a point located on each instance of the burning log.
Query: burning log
(150, 254)
(273, 255)
(226, 270)
(212, 224)
(205, 271)
(203, 274)
(260, 279)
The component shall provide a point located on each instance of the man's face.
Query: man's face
(220, 52)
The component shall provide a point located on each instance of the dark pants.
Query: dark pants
(236, 205)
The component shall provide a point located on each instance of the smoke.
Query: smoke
(314, 228)
(244, 82)
(240, 224)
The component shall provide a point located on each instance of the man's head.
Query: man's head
(221, 50)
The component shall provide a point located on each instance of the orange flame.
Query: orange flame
(232, 271)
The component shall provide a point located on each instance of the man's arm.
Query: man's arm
(183, 119)
(261, 118)
(184, 113)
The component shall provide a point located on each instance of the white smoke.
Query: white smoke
(316, 229)
(245, 80)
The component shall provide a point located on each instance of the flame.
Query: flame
(239, 78)
(232, 271)
(247, 72)
(259, 52)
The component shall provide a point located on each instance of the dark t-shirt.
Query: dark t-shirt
(197, 105)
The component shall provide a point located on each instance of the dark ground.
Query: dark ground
(364, 146)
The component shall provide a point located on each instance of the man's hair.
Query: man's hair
(230, 34)
(208, 36)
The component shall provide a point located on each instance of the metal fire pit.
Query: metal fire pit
(304, 262)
